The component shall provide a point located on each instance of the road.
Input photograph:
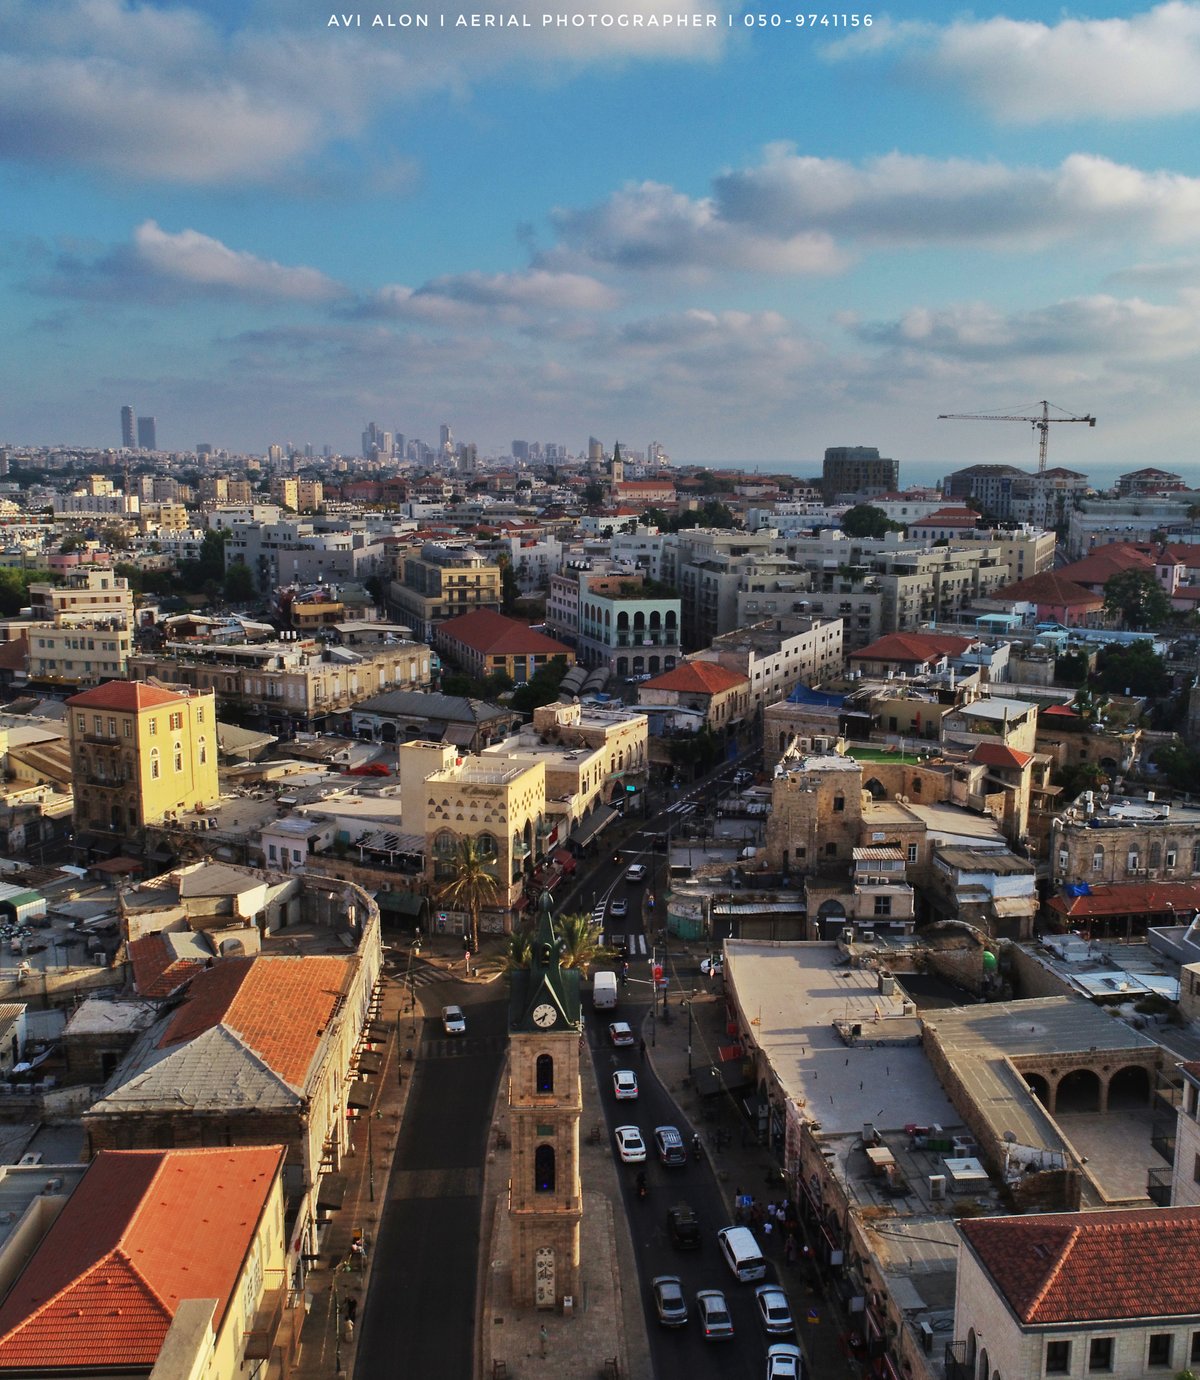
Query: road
(676, 1351)
(429, 1229)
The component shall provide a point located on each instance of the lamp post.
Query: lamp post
(414, 948)
(688, 1004)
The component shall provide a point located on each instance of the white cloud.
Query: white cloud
(1083, 328)
(796, 214)
(152, 94)
(202, 262)
(510, 298)
(1025, 71)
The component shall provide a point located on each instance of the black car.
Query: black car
(684, 1227)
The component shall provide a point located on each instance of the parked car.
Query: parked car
(625, 1085)
(618, 907)
(713, 966)
(715, 1321)
(785, 1361)
(683, 1226)
(669, 1302)
(630, 1145)
(620, 1034)
(636, 873)
(453, 1020)
(773, 1310)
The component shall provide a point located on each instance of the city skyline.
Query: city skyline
(749, 242)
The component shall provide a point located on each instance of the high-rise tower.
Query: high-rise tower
(147, 433)
(127, 435)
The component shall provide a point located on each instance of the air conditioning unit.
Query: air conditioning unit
(926, 1334)
(937, 1187)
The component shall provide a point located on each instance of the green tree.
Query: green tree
(1137, 599)
(1180, 764)
(1071, 669)
(1079, 776)
(578, 945)
(543, 688)
(593, 493)
(1136, 669)
(14, 590)
(864, 520)
(510, 591)
(239, 583)
(473, 887)
(1089, 705)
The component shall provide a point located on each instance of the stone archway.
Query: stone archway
(875, 786)
(387, 733)
(1129, 1088)
(1078, 1091)
(1039, 1087)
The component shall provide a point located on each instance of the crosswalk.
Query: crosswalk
(421, 975)
(682, 808)
(635, 944)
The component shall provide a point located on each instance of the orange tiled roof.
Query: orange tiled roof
(698, 677)
(1129, 898)
(998, 755)
(912, 647)
(144, 1230)
(492, 634)
(1056, 1268)
(156, 971)
(277, 1006)
(125, 695)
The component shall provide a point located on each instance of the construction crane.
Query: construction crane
(1040, 424)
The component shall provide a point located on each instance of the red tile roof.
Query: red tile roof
(125, 695)
(998, 755)
(492, 634)
(1104, 562)
(1129, 898)
(144, 1230)
(1064, 710)
(915, 648)
(1050, 588)
(156, 971)
(943, 517)
(1056, 1268)
(278, 1006)
(698, 677)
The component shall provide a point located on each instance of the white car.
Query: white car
(625, 1085)
(773, 1310)
(785, 1361)
(618, 907)
(630, 1145)
(713, 966)
(636, 873)
(453, 1020)
(620, 1033)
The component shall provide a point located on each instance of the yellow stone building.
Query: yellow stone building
(140, 755)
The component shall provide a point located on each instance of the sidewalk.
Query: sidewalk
(740, 1163)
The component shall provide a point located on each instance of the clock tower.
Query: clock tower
(545, 1203)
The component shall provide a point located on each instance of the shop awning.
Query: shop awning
(360, 1096)
(587, 830)
(370, 1062)
(403, 903)
(378, 1031)
(331, 1192)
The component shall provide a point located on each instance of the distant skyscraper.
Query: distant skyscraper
(520, 450)
(445, 439)
(127, 427)
(858, 470)
(147, 433)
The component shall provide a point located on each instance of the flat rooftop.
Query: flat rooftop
(794, 994)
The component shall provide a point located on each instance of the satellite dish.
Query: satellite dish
(1010, 1136)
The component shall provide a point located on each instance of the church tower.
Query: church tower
(616, 472)
(545, 1100)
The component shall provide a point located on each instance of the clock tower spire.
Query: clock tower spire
(545, 1101)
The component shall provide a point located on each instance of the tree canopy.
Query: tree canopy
(1137, 599)
(1135, 669)
(865, 520)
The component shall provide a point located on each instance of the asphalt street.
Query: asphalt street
(419, 1318)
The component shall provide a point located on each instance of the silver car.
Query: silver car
(669, 1302)
(773, 1310)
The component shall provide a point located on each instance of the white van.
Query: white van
(741, 1253)
(604, 991)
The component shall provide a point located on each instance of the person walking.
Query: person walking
(642, 1050)
(543, 1337)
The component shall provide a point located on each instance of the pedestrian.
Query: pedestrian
(352, 1309)
(642, 1048)
(543, 1337)
(789, 1248)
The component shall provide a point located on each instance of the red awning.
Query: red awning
(565, 859)
(729, 1053)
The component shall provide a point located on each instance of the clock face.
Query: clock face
(545, 1015)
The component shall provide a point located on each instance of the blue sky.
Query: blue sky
(747, 243)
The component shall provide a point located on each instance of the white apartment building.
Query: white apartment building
(775, 659)
(1097, 521)
(80, 650)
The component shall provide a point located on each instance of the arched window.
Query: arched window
(1155, 855)
(445, 846)
(485, 846)
(1196, 857)
(1133, 861)
(543, 1169)
(178, 757)
(202, 750)
(1097, 859)
(154, 766)
(545, 1073)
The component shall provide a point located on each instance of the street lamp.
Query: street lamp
(688, 1004)
(414, 948)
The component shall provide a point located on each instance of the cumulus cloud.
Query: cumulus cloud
(502, 296)
(152, 94)
(158, 266)
(1079, 328)
(1026, 71)
(796, 214)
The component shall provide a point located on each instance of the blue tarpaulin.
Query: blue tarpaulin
(803, 695)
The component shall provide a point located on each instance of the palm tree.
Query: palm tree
(473, 886)
(577, 945)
